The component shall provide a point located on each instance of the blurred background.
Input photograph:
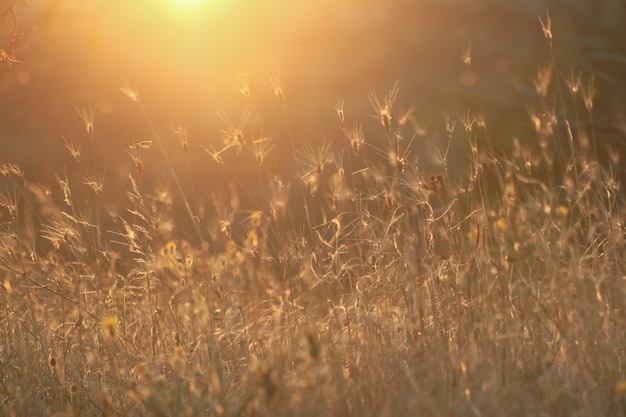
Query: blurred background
(189, 60)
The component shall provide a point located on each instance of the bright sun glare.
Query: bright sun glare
(186, 8)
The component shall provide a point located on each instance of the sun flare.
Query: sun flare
(180, 9)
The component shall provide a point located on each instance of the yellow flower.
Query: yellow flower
(500, 225)
(253, 238)
(109, 325)
(561, 211)
(255, 220)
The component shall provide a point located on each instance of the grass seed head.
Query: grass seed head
(181, 134)
(339, 109)
(88, 116)
(383, 109)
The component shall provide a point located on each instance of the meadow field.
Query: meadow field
(402, 259)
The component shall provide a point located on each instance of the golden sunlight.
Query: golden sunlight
(181, 9)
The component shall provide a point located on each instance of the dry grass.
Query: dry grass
(356, 285)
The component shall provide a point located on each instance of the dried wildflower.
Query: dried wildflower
(383, 110)
(88, 116)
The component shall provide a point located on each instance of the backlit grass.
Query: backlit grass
(355, 282)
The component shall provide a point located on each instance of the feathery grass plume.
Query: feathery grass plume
(181, 134)
(355, 137)
(384, 109)
(138, 152)
(546, 26)
(65, 188)
(468, 76)
(244, 85)
(130, 92)
(9, 58)
(95, 181)
(234, 135)
(8, 169)
(473, 291)
(315, 160)
(589, 92)
(261, 149)
(88, 117)
(274, 82)
(467, 120)
(73, 148)
(340, 113)
(215, 154)
(574, 81)
(9, 201)
(467, 54)
(542, 80)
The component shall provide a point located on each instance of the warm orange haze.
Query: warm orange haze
(190, 60)
(186, 9)
(245, 208)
